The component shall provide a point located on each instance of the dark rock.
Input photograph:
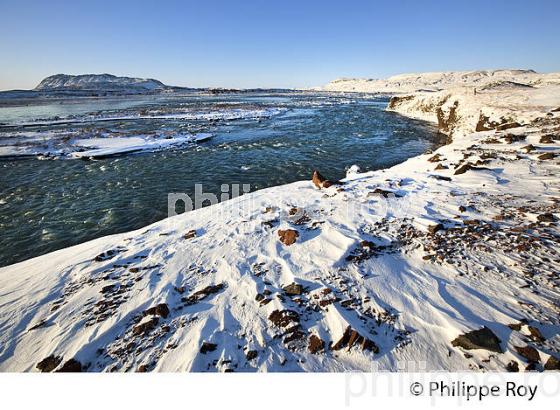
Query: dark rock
(463, 168)
(251, 354)
(508, 125)
(515, 326)
(288, 236)
(435, 158)
(512, 367)
(49, 364)
(462, 208)
(479, 339)
(548, 217)
(547, 139)
(190, 234)
(316, 344)
(536, 334)
(207, 347)
(159, 310)
(71, 366)
(545, 156)
(142, 368)
(432, 229)
(529, 353)
(441, 177)
(146, 327)
(283, 318)
(440, 167)
(350, 337)
(529, 148)
(293, 289)
(511, 138)
(552, 364)
(203, 293)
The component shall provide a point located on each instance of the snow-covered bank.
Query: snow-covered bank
(384, 271)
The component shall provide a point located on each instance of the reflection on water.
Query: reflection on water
(48, 205)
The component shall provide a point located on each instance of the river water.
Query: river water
(258, 139)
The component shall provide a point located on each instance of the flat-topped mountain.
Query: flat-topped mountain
(99, 82)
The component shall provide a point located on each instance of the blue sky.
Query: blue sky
(283, 43)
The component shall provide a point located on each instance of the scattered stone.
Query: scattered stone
(529, 353)
(145, 327)
(159, 310)
(440, 167)
(190, 234)
(106, 255)
(548, 217)
(529, 148)
(508, 125)
(316, 344)
(251, 354)
(432, 229)
(547, 139)
(469, 167)
(288, 236)
(515, 326)
(441, 177)
(71, 366)
(203, 293)
(293, 289)
(536, 334)
(49, 363)
(512, 367)
(552, 364)
(207, 347)
(462, 208)
(351, 337)
(384, 193)
(479, 339)
(511, 138)
(283, 318)
(435, 158)
(547, 155)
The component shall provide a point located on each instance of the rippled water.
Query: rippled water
(52, 204)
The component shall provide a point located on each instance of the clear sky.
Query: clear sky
(285, 43)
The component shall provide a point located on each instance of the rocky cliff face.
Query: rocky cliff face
(98, 82)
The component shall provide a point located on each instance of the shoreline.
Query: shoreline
(386, 244)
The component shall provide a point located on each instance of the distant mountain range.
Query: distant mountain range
(101, 85)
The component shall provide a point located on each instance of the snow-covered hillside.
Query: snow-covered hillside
(448, 261)
(406, 83)
(98, 82)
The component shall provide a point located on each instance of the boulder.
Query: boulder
(48, 364)
(71, 366)
(529, 353)
(316, 344)
(552, 364)
(288, 236)
(547, 155)
(479, 339)
(159, 310)
(207, 347)
(293, 289)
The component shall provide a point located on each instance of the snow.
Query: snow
(408, 291)
(105, 147)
